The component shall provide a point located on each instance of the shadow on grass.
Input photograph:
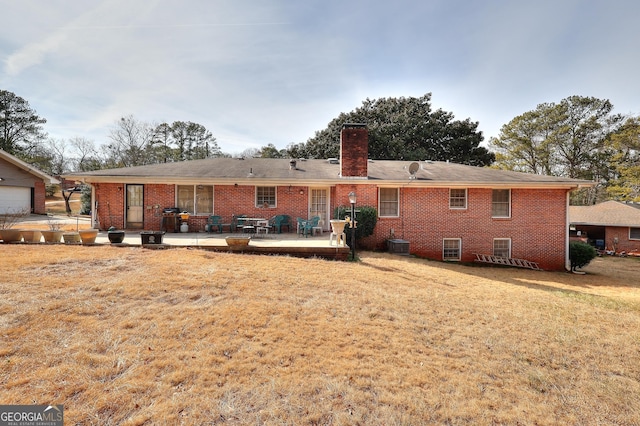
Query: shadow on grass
(618, 274)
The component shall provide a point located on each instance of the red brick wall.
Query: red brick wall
(110, 209)
(537, 226)
(157, 197)
(354, 151)
(39, 198)
(229, 200)
(622, 234)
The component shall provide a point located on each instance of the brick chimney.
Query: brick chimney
(354, 150)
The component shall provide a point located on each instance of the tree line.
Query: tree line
(578, 137)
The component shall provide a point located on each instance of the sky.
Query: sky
(259, 72)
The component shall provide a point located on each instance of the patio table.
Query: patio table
(252, 223)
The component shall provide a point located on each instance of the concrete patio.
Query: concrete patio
(282, 244)
(286, 243)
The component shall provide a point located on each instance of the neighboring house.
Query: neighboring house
(22, 186)
(446, 211)
(611, 225)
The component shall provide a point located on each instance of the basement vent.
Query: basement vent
(333, 161)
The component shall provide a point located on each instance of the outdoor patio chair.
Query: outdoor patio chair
(301, 226)
(285, 220)
(238, 222)
(279, 221)
(214, 223)
(315, 224)
(305, 227)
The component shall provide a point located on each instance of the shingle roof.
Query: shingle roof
(27, 167)
(218, 170)
(609, 213)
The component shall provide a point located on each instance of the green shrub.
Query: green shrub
(50, 190)
(580, 254)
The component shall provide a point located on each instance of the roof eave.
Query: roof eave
(28, 168)
(418, 183)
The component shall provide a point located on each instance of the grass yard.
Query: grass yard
(143, 337)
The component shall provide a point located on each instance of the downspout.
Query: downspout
(94, 210)
(567, 260)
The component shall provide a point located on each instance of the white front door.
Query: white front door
(135, 206)
(319, 206)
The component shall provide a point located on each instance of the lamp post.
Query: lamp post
(352, 200)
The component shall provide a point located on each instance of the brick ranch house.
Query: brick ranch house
(611, 225)
(446, 211)
(22, 186)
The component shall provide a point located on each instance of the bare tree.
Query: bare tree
(86, 154)
(130, 141)
(60, 161)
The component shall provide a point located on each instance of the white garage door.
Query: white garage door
(14, 198)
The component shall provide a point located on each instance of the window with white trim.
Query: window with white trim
(501, 203)
(634, 233)
(388, 202)
(502, 247)
(451, 248)
(195, 199)
(457, 198)
(265, 196)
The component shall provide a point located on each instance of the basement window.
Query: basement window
(502, 247)
(451, 248)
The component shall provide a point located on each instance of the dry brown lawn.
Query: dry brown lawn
(139, 337)
(55, 204)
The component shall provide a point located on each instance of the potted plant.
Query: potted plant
(54, 234)
(337, 225)
(237, 243)
(88, 236)
(31, 236)
(11, 235)
(7, 220)
(71, 237)
(151, 237)
(115, 236)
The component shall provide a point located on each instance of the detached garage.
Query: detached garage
(22, 186)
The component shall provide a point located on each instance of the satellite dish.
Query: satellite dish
(413, 169)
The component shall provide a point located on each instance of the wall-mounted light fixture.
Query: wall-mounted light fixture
(302, 192)
(1, 179)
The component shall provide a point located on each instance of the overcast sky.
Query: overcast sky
(275, 71)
